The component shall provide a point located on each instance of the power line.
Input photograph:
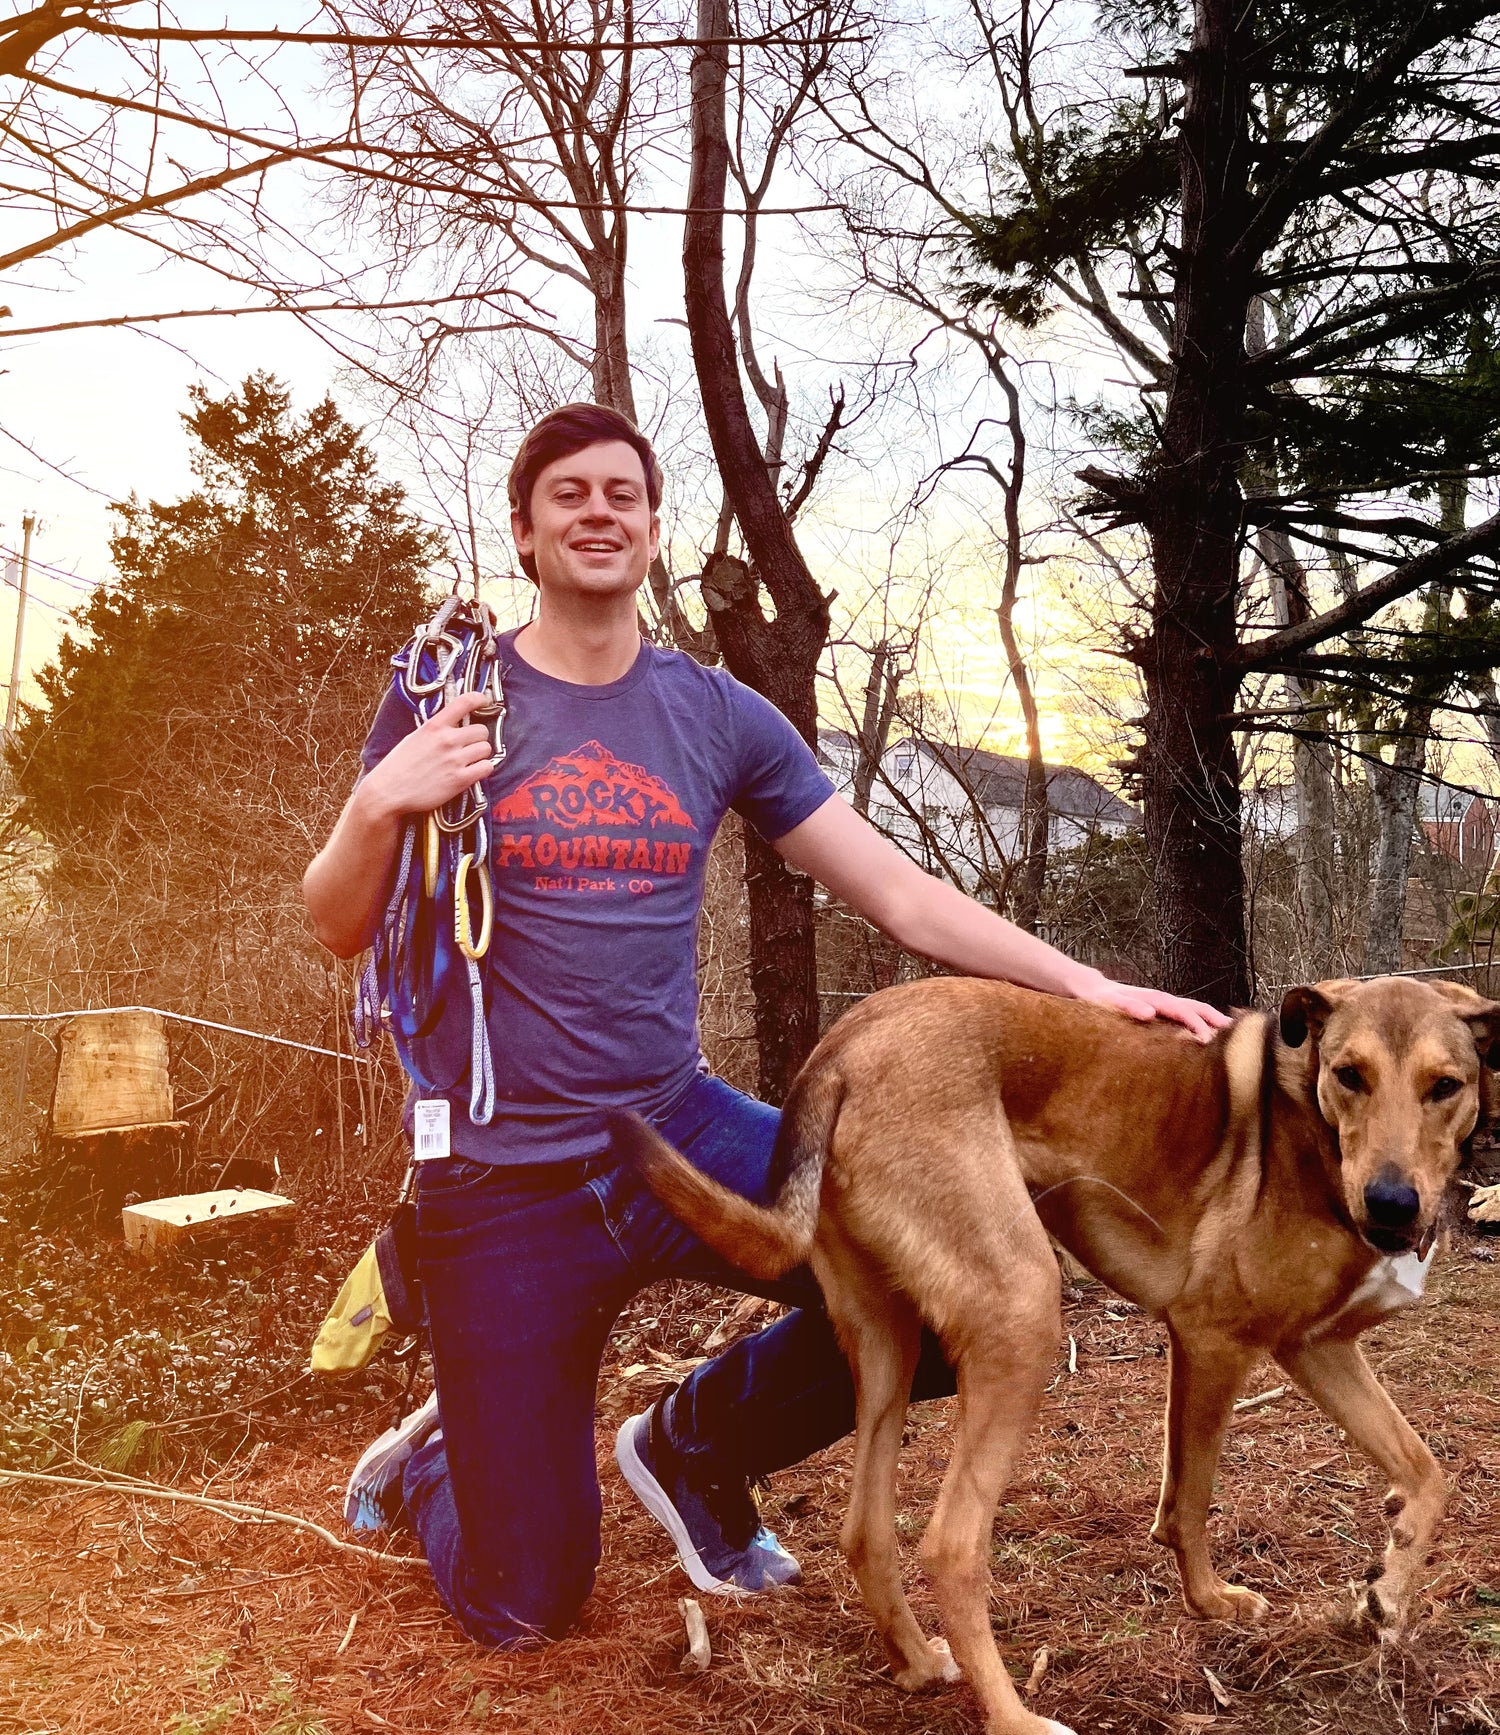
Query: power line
(180, 1018)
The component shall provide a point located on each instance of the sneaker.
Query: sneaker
(372, 1500)
(715, 1526)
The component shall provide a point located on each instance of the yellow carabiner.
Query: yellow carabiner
(462, 930)
(432, 839)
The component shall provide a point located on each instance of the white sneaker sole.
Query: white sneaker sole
(392, 1447)
(655, 1499)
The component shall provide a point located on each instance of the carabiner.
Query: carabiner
(463, 931)
(446, 651)
(431, 843)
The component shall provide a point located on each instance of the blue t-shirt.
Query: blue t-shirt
(602, 814)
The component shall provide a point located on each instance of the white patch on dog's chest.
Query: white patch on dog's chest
(1392, 1282)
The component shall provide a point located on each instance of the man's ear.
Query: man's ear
(1303, 1010)
(1482, 1017)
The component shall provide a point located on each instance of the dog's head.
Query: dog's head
(1396, 1068)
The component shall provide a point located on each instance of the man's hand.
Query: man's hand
(1484, 1205)
(1205, 1022)
(348, 881)
(433, 764)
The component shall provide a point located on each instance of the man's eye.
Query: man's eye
(1445, 1087)
(1350, 1077)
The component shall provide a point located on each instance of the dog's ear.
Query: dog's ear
(1303, 1011)
(1482, 1017)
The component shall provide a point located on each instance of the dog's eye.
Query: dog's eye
(1444, 1088)
(1350, 1077)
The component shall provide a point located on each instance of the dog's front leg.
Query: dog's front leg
(1204, 1376)
(1336, 1376)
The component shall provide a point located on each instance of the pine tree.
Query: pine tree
(1326, 170)
(198, 733)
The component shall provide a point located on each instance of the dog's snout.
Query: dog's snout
(1391, 1200)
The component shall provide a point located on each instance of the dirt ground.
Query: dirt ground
(123, 1614)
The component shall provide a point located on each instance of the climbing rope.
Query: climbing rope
(412, 960)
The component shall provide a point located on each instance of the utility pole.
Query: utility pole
(28, 524)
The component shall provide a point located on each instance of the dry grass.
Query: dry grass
(128, 1616)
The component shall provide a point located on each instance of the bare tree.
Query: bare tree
(1157, 219)
(778, 656)
(901, 186)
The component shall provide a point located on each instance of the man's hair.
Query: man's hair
(561, 433)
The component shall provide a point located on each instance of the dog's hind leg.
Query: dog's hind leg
(1204, 1377)
(1336, 1376)
(881, 1335)
(1001, 1322)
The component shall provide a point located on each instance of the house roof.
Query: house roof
(832, 741)
(999, 780)
(1437, 801)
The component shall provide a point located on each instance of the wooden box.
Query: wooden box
(159, 1227)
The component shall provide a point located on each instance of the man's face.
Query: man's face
(592, 532)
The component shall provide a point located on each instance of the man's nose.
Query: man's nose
(1391, 1199)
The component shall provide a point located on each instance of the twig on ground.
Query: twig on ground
(233, 1509)
(1260, 1400)
(699, 1653)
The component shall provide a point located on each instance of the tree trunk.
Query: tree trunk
(875, 723)
(1312, 752)
(1191, 506)
(778, 657)
(1395, 788)
(611, 381)
(1312, 763)
(1032, 831)
(1487, 702)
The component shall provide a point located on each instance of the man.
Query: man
(621, 760)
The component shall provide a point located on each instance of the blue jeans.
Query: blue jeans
(525, 1270)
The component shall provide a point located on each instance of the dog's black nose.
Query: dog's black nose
(1391, 1199)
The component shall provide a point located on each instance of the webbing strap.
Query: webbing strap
(411, 960)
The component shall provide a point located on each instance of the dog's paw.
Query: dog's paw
(1375, 1607)
(934, 1670)
(1234, 1602)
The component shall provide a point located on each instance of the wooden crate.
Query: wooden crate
(111, 1075)
(160, 1227)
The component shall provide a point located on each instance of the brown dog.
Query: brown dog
(1275, 1191)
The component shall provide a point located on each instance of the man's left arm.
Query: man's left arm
(845, 853)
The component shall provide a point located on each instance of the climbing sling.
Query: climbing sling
(428, 925)
(429, 934)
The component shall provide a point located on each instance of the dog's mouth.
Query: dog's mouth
(1416, 1239)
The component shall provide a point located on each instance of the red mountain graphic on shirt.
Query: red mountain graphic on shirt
(591, 787)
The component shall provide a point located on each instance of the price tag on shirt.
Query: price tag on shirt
(430, 1129)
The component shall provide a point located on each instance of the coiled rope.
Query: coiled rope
(411, 964)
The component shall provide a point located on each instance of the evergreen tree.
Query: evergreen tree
(240, 624)
(198, 734)
(1283, 214)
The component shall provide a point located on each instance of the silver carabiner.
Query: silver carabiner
(447, 649)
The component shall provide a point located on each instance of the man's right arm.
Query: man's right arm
(348, 882)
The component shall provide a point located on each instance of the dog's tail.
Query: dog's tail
(765, 1240)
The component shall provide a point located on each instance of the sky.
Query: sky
(100, 412)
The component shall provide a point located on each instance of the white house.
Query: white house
(959, 808)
